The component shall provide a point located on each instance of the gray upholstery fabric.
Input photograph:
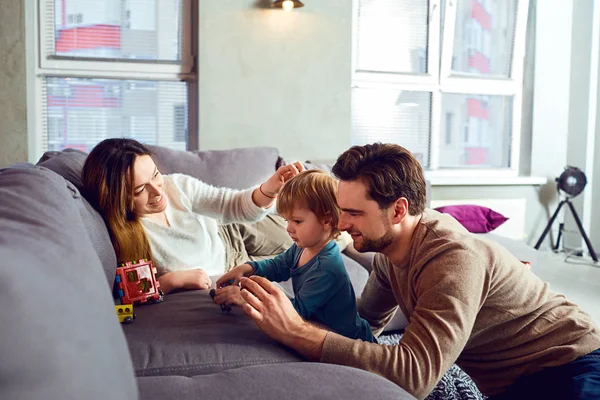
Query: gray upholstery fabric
(189, 335)
(236, 168)
(69, 164)
(298, 381)
(60, 335)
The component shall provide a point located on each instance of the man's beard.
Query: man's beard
(375, 245)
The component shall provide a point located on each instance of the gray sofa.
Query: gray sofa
(60, 335)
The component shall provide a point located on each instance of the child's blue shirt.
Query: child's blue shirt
(322, 289)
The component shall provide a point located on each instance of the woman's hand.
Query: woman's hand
(267, 192)
(283, 174)
(235, 275)
(191, 279)
(229, 295)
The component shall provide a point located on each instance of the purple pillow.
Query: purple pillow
(476, 219)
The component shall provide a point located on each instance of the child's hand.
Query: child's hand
(236, 274)
(189, 280)
(229, 295)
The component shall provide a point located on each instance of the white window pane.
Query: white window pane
(484, 37)
(481, 131)
(392, 36)
(392, 116)
(117, 29)
(79, 113)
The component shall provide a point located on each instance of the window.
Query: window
(114, 68)
(449, 127)
(180, 119)
(426, 69)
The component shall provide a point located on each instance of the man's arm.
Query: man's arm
(377, 303)
(449, 291)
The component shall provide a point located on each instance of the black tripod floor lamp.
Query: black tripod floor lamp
(569, 184)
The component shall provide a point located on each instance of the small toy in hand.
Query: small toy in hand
(136, 282)
(224, 307)
(125, 313)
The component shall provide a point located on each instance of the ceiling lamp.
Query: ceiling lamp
(287, 5)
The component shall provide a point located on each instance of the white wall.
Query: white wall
(581, 74)
(552, 74)
(551, 100)
(267, 77)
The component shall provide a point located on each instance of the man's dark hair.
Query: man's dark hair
(389, 172)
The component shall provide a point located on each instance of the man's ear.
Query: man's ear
(400, 209)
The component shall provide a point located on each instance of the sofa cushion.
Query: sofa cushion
(297, 381)
(69, 164)
(475, 218)
(189, 335)
(60, 335)
(235, 168)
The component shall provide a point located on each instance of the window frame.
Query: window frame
(440, 80)
(44, 65)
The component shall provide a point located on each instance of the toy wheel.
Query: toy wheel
(127, 320)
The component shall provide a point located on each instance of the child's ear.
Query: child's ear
(326, 219)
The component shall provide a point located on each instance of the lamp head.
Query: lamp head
(287, 5)
(572, 181)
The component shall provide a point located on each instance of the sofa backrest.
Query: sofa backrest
(239, 168)
(69, 164)
(60, 334)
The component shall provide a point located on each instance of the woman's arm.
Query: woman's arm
(230, 205)
(189, 280)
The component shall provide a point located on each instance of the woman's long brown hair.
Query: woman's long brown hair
(107, 180)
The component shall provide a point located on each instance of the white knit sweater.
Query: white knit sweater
(193, 211)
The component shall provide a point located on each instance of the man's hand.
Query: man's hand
(189, 280)
(275, 315)
(235, 274)
(229, 295)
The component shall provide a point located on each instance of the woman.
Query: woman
(179, 221)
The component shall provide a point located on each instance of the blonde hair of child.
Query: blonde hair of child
(314, 190)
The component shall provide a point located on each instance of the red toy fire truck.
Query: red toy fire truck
(137, 283)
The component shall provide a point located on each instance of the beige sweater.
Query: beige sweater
(468, 301)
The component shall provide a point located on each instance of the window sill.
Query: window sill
(487, 181)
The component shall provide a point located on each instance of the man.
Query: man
(468, 300)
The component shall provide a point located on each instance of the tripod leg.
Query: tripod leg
(561, 227)
(585, 237)
(547, 229)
